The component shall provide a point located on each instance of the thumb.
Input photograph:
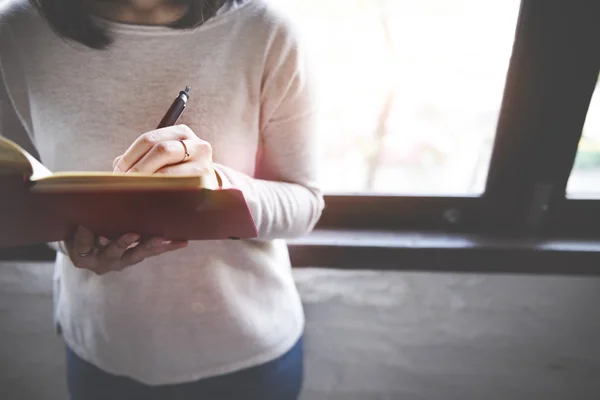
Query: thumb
(83, 243)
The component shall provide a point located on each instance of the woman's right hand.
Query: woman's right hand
(103, 256)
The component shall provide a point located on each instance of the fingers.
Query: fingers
(186, 169)
(113, 252)
(100, 255)
(149, 248)
(147, 141)
(103, 242)
(163, 153)
(174, 152)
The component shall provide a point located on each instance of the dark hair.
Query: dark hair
(72, 19)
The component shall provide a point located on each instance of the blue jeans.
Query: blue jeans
(280, 379)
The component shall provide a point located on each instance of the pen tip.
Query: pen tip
(187, 89)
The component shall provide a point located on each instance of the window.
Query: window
(499, 89)
(459, 116)
(584, 182)
(410, 91)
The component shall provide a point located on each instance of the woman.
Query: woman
(83, 83)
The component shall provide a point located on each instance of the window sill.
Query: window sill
(422, 251)
(445, 252)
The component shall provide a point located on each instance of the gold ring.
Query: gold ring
(186, 154)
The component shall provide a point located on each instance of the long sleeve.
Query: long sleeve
(12, 126)
(283, 195)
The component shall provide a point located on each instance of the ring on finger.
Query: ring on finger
(186, 153)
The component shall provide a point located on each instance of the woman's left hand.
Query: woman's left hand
(174, 150)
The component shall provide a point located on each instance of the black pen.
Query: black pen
(176, 109)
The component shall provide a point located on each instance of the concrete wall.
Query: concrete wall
(374, 335)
